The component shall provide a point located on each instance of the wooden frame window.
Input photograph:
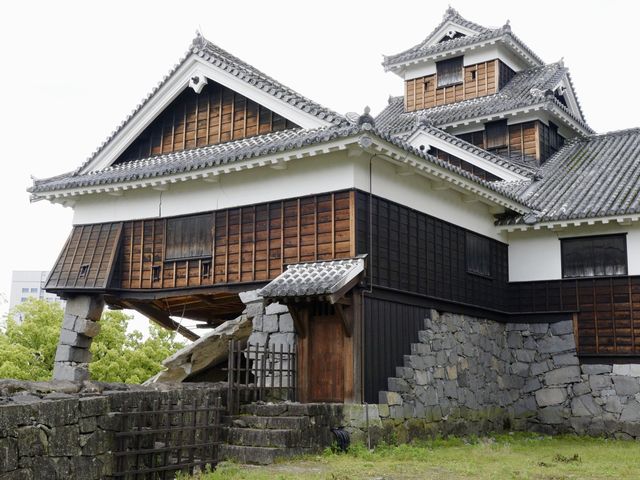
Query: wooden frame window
(478, 254)
(598, 256)
(496, 134)
(449, 72)
(189, 237)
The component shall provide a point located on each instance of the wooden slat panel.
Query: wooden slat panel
(88, 258)
(216, 115)
(245, 244)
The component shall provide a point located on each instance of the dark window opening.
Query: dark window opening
(473, 74)
(155, 273)
(496, 134)
(449, 72)
(560, 97)
(189, 237)
(426, 86)
(84, 270)
(478, 254)
(603, 255)
(206, 269)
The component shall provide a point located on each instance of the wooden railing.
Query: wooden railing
(260, 372)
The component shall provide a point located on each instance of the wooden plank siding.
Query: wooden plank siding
(216, 115)
(529, 141)
(87, 258)
(389, 329)
(480, 79)
(608, 310)
(250, 244)
(411, 251)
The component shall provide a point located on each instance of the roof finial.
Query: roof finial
(199, 41)
(366, 121)
(450, 11)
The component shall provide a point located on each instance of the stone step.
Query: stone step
(259, 455)
(264, 410)
(256, 421)
(257, 437)
(289, 409)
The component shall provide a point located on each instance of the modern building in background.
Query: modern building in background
(27, 284)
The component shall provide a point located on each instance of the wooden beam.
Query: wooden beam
(298, 321)
(161, 318)
(347, 319)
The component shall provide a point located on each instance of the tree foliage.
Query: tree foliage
(27, 349)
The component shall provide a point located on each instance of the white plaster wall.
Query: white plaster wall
(302, 177)
(336, 171)
(535, 254)
(415, 192)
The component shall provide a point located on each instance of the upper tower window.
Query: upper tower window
(496, 134)
(449, 72)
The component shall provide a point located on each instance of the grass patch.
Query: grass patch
(518, 456)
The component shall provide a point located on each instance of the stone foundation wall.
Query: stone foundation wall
(468, 375)
(64, 430)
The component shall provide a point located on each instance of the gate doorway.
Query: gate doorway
(325, 361)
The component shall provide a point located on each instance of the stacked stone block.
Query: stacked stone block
(79, 326)
(272, 326)
(524, 376)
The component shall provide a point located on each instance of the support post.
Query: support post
(79, 326)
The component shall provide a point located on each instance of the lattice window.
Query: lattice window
(449, 72)
(603, 255)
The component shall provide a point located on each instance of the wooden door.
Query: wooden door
(326, 359)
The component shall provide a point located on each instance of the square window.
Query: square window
(497, 134)
(449, 72)
(598, 256)
(189, 237)
(25, 290)
(478, 254)
(34, 290)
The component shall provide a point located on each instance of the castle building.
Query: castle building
(481, 190)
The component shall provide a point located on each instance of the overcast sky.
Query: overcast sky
(72, 71)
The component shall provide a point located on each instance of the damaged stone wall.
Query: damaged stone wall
(272, 325)
(65, 430)
(490, 376)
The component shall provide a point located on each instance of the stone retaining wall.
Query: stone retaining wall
(62, 430)
(469, 375)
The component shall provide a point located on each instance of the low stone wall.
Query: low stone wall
(469, 375)
(64, 430)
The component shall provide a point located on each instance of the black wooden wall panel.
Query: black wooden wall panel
(389, 330)
(414, 252)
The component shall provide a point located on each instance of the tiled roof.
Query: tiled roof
(227, 153)
(243, 71)
(427, 48)
(194, 159)
(592, 177)
(479, 152)
(314, 278)
(528, 88)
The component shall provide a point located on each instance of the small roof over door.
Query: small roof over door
(329, 280)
